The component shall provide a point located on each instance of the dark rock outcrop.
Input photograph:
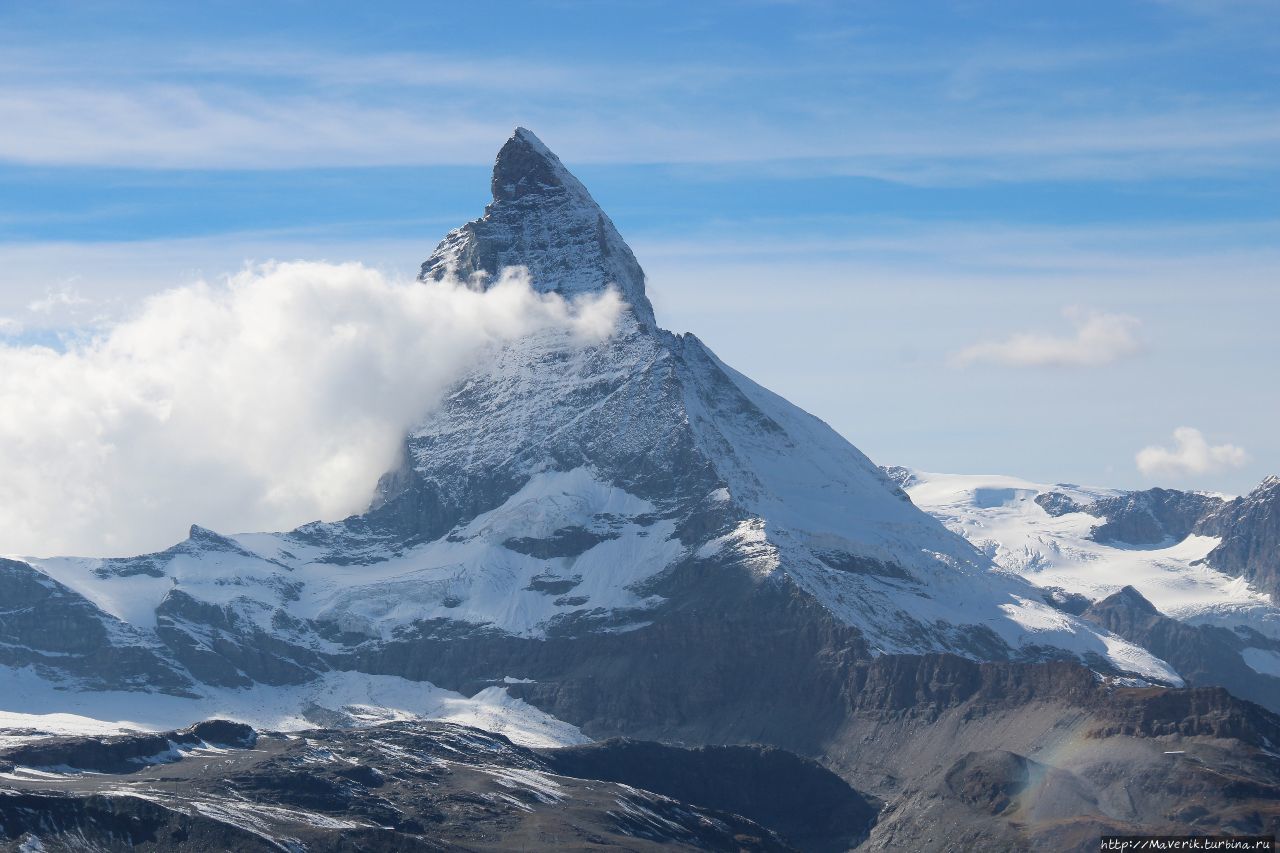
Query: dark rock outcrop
(1068, 602)
(1204, 655)
(219, 646)
(1150, 517)
(800, 800)
(44, 624)
(387, 788)
(128, 753)
(543, 218)
(1056, 503)
(1249, 527)
(565, 542)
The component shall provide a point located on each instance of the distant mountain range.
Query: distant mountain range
(630, 539)
(1188, 576)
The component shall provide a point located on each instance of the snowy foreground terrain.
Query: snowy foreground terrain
(367, 699)
(628, 538)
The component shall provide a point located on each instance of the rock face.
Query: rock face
(53, 629)
(1151, 517)
(129, 753)
(1249, 527)
(1148, 517)
(806, 804)
(1205, 655)
(543, 218)
(1004, 756)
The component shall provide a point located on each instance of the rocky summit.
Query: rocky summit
(620, 561)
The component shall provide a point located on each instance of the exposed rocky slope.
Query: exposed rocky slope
(1202, 654)
(1004, 756)
(953, 754)
(1249, 529)
(46, 625)
(421, 786)
(1138, 518)
(804, 803)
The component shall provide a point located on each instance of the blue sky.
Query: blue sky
(881, 210)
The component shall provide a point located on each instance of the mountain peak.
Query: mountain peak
(525, 165)
(1128, 596)
(543, 219)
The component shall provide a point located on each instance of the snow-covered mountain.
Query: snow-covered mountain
(1159, 555)
(632, 538)
(555, 494)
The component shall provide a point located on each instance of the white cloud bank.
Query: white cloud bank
(265, 402)
(1100, 339)
(1191, 454)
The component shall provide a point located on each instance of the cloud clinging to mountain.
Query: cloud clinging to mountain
(274, 399)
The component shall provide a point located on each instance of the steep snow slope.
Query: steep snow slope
(820, 511)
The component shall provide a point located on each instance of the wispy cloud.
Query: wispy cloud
(1191, 454)
(1099, 339)
(152, 126)
(54, 299)
(945, 116)
(187, 126)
